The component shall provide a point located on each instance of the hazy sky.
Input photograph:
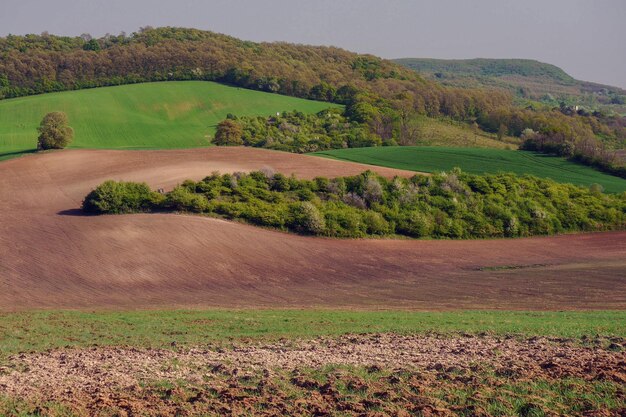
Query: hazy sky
(587, 38)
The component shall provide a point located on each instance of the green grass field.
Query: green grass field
(479, 161)
(38, 331)
(153, 115)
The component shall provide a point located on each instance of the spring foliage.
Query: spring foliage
(296, 131)
(383, 96)
(121, 197)
(444, 205)
(54, 131)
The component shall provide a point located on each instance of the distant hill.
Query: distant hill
(529, 80)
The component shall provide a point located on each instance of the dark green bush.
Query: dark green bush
(182, 199)
(113, 197)
(416, 224)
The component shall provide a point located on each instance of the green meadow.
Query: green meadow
(479, 161)
(162, 115)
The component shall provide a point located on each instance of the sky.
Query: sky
(587, 38)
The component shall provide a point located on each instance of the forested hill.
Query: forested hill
(36, 64)
(528, 79)
(384, 98)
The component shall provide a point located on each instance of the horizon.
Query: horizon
(578, 37)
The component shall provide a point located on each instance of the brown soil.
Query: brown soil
(53, 257)
(92, 380)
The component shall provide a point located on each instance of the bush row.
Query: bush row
(444, 205)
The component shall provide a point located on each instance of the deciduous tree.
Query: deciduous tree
(54, 131)
(229, 132)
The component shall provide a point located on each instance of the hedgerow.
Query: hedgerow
(444, 205)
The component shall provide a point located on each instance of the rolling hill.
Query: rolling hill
(478, 161)
(527, 79)
(152, 115)
(55, 257)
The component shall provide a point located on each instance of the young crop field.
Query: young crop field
(479, 161)
(140, 116)
(311, 362)
(40, 331)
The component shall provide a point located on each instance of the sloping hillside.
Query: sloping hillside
(479, 161)
(527, 79)
(51, 256)
(152, 115)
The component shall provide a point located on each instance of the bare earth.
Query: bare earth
(91, 381)
(53, 257)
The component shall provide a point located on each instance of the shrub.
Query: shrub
(354, 200)
(307, 218)
(375, 223)
(113, 197)
(344, 221)
(181, 199)
(372, 190)
(416, 224)
(596, 189)
(280, 183)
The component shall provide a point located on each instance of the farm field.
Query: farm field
(165, 314)
(295, 362)
(478, 161)
(183, 248)
(177, 114)
(124, 261)
(103, 316)
(43, 330)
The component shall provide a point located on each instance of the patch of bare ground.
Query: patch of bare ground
(386, 374)
(51, 257)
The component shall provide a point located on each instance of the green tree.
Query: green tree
(361, 111)
(229, 132)
(54, 131)
(91, 45)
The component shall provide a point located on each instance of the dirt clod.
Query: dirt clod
(396, 371)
